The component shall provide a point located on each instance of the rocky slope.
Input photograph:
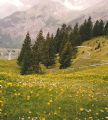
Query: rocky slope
(47, 15)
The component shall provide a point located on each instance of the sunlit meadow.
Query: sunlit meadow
(62, 95)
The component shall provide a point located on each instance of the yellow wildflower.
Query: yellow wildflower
(43, 118)
(97, 113)
(81, 109)
(1, 103)
(28, 97)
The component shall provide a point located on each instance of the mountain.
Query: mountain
(47, 15)
(98, 11)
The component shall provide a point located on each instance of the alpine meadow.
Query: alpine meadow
(53, 60)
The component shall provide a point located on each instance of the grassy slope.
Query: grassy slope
(58, 95)
(63, 95)
(90, 55)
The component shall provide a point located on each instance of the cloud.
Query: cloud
(7, 7)
(74, 6)
(16, 3)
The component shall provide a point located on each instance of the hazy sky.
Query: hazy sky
(7, 7)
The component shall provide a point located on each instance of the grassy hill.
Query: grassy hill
(94, 51)
(71, 94)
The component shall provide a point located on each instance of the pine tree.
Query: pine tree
(26, 67)
(96, 29)
(65, 56)
(23, 49)
(46, 51)
(35, 59)
(89, 29)
(57, 40)
(63, 37)
(83, 31)
(75, 36)
(69, 29)
(52, 51)
(49, 51)
(24, 59)
(106, 29)
(40, 42)
(101, 28)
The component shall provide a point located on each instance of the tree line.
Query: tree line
(46, 49)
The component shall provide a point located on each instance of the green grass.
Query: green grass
(9, 66)
(56, 95)
(71, 94)
(91, 54)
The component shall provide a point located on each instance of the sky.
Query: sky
(7, 7)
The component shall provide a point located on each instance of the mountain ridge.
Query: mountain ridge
(97, 13)
(48, 16)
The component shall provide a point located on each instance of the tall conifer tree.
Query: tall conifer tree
(96, 29)
(75, 36)
(83, 31)
(65, 56)
(89, 29)
(49, 51)
(63, 37)
(35, 59)
(101, 28)
(57, 40)
(40, 42)
(106, 29)
(24, 59)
